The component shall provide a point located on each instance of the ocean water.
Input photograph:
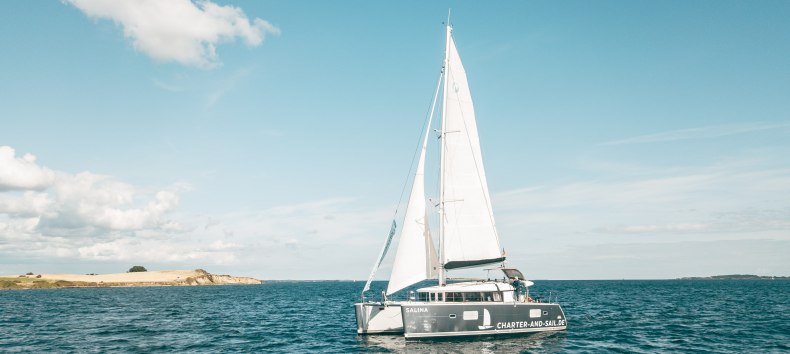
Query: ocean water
(716, 316)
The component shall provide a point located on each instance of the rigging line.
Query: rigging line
(386, 245)
(419, 144)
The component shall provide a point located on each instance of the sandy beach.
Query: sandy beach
(152, 278)
(135, 277)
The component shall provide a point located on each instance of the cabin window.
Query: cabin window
(491, 296)
(497, 295)
(469, 297)
(433, 297)
(454, 297)
(422, 297)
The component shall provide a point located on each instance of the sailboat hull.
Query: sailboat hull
(379, 318)
(431, 319)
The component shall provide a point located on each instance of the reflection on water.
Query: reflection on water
(542, 342)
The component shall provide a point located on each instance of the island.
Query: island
(129, 279)
(738, 277)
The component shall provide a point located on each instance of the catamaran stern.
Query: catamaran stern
(379, 318)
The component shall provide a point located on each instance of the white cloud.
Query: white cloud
(88, 199)
(219, 245)
(719, 187)
(97, 218)
(656, 228)
(700, 133)
(211, 222)
(663, 260)
(167, 251)
(310, 240)
(737, 200)
(28, 204)
(22, 173)
(182, 31)
(166, 86)
(227, 85)
(48, 211)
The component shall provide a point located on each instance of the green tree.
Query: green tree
(137, 269)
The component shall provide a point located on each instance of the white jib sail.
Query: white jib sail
(470, 236)
(416, 258)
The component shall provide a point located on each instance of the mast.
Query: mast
(442, 273)
(469, 237)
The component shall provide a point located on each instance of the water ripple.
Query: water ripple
(611, 316)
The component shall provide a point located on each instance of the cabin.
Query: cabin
(512, 288)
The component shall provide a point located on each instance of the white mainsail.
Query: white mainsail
(470, 236)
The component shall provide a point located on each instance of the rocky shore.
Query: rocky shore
(154, 278)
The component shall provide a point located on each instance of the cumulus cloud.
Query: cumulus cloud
(91, 200)
(26, 205)
(144, 250)
(98, 218)
(182, 31)
(22, 173)
(41, 208)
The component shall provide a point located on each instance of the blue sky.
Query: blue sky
(621, 139)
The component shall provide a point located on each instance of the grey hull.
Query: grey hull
(431, 319)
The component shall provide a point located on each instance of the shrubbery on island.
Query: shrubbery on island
(137, 269)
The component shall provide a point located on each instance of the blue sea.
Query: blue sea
(703, 316)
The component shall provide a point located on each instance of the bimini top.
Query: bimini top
(510, 273)
(513, 273)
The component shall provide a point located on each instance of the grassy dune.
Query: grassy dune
(33, 283)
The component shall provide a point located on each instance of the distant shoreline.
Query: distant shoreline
(133, 279)
(714, 277)
(737, 277)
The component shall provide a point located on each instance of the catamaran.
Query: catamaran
(467, 238)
